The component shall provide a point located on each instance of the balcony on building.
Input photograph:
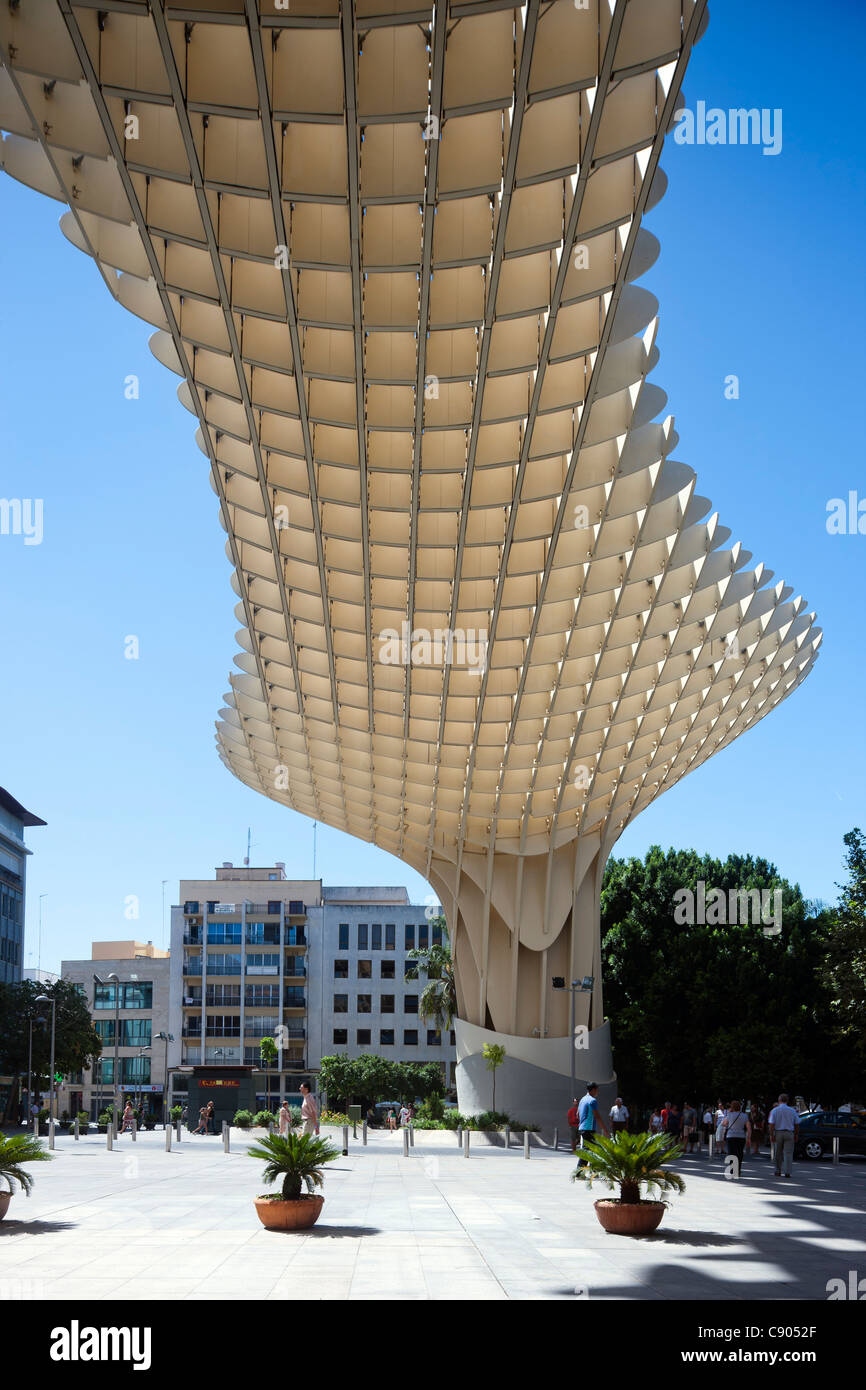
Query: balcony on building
(225, 1056)
(294, 999)
(193, 935)
(192, 965)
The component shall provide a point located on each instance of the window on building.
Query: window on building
(135, 1069)
(410, 937)
(386, 969)
(138, 995)
(423, 936)
(362, 936)
(437, 935)
(341, 970)
(386, 1003)
(386, 1037)
(224, 963)
(410, 1003)
(390, 936)
(365, 970)
(341, 1035)
(343, 931)
(363, 1037)
(365, 1003)
(410, 1037)
(259, 996)
(190, 907)
(224, 994)
(341, 1003)
(224, 934)
(434, 1037)
(135, 1032)
(223, 1025)
(376, 936)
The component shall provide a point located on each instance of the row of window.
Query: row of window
(132, 1069)
(10, 905)
(229, 963)
(294, 908)
(387, 969)
(364, 1003)
(369, 936)
(137, 995)
(134, 1032)
(9, 950)
(363, 1037)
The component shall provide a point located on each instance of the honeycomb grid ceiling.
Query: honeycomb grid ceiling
(392, 255)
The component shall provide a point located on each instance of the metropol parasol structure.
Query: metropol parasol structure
(391, 249)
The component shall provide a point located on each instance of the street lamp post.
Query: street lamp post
(46, 999)
(166, 1038)
(583, 986)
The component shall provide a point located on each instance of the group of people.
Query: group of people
(735, 1128)
(404, 1117)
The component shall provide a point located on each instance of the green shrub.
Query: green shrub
(176, 1113)
(263, 1118)
(334, 1117)
(83, 1119)
(105, 1119)
(242, 1119)
(430, 1109)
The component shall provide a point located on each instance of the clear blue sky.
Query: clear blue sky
(760, 275)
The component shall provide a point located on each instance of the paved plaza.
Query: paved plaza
(140, 1223)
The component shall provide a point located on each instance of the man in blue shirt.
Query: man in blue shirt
(588, 1117)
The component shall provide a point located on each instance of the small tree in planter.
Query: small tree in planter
(629, 1162)
(494, 1056)
(298, 1159)
(14, 1151)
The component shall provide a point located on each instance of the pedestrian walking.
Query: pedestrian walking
(588, 1117)
(737, 1133)
(673, 1122)
(618, 1116)
(391, 1121)
(201, 1127)
(574, 1124)
(309, 1113)
(210, 1118)
(757, 1119)
(655, 1122)
(720, 1114)
(285, 1120)
(784, 1125)
(691, 1133)
(127, 1119)
(404, 1115)
(707, 1125)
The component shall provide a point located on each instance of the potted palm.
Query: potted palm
(298, 1159)
(14, 1151)
(630, 1162)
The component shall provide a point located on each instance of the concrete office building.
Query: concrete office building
(142, 1008)
(391, 251)
(13, 879)
(319, 970)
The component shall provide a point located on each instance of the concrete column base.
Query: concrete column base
(533, 1084)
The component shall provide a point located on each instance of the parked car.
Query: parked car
(817, 1133)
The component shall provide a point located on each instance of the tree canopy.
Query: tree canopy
(369, 1079)
(843, 972)
(76, 1040)
(706, 1009)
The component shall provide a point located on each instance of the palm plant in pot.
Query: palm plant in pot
(630, 1162)
(15, 1151)
(298, 1159)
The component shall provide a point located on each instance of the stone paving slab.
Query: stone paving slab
(140, 1223)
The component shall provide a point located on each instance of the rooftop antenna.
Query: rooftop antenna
(247, 860)
(315, 828)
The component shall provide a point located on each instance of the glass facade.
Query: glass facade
(136, 994)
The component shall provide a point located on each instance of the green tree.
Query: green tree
(370, 1078)
(438, 1002)
(494, 1056)
(843, 970)
(76, 1041)
(699, 1010)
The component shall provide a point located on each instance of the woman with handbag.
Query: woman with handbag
(737, 1133)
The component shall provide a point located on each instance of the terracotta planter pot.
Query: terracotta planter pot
(298, 1215)
(629, 1218)
(5, 1199)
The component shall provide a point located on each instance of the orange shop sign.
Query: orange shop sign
(219, 1083)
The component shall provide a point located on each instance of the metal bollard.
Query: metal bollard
(76, 1128)
(405, 1143)
(412, 1136)
(459, 1136)
(711, 1149)
(35, 1126)
(168, 1139)
(836, 1148)
(134, 1129)
(556, 1138)
(507, 1137)
(354, 1129)
(364, 1133)
(109, 1138)
(526, 1143)
(51, 1134)
(466, 1134)
(178, 1131)
(345, 1141)
(226, 1138)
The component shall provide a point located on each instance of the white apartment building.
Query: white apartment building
(320, 970)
